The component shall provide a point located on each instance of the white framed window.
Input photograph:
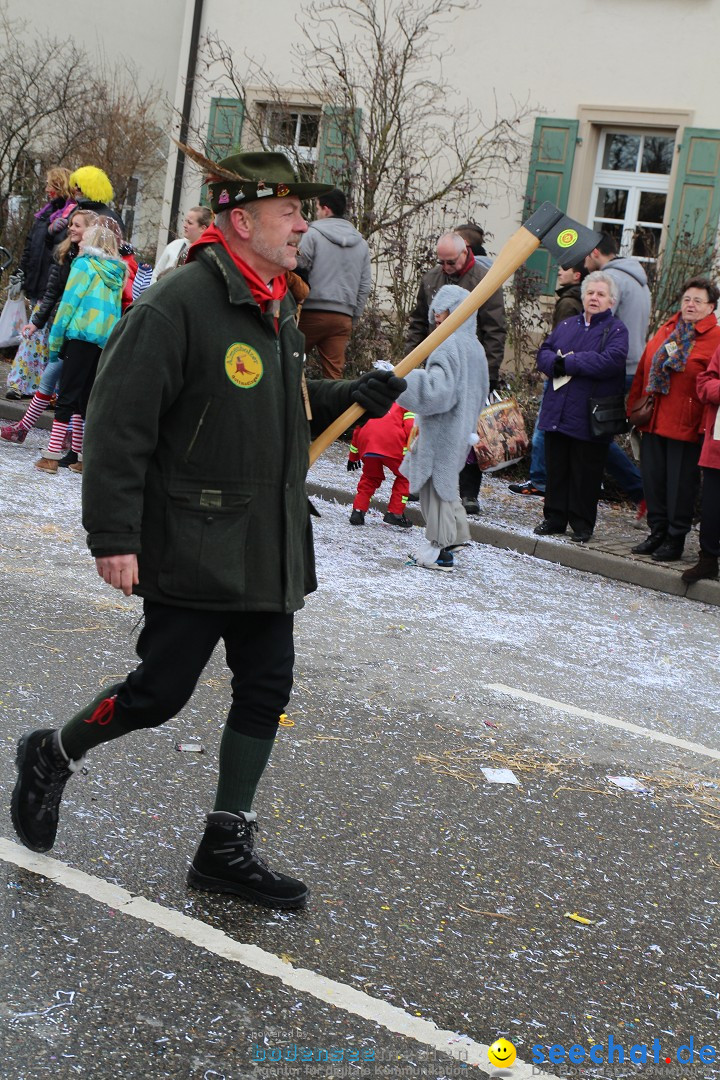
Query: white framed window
(630, 188)
(292, 131)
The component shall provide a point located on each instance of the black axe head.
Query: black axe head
(567, 241)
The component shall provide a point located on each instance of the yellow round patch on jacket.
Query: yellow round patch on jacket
(243, 365)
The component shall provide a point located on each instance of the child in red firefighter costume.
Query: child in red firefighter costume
(378, 445)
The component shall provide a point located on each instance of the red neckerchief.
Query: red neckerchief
(262, 293)
(470, 262)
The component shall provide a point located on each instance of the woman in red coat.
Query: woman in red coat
(708, 390)
(671, 440)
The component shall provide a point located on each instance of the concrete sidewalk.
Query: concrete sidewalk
(507, 521)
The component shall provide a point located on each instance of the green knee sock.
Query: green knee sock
(242, 763)
(81, 733)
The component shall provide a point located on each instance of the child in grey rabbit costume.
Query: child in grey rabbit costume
(446, 398)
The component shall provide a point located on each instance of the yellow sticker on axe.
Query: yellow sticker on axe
(567, 238)
(243, 365)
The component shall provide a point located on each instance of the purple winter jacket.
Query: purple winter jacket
(597, 366)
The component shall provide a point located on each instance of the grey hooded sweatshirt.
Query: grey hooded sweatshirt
(338, 263)
(633, 306)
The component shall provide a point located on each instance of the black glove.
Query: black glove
(353, 465)
(559, 367)
(376, 390)
(494, 385)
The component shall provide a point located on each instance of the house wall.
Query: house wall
(640, 63)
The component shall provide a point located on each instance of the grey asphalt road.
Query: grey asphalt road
(433, 890)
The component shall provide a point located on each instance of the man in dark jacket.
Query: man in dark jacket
(568, 292)
(458, 266)
(334, 259)
(194, 498)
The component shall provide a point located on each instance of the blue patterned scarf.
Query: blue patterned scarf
(671, 356)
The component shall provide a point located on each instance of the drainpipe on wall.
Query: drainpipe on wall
(185, 118)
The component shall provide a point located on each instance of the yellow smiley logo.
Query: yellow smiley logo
(567, 238)
(502, 1053)
(243, 366)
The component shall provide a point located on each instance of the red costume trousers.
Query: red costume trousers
(373, 474)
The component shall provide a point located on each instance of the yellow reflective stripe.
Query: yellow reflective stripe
(353, 449)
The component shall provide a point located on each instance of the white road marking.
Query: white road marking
(611, 721)
(303, 980)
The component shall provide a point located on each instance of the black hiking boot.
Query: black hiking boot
(397, 519)
(226, 862)
(43, 771)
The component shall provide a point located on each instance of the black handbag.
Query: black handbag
(608, 416)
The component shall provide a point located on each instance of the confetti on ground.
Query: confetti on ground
(630, 783)
(500, 776)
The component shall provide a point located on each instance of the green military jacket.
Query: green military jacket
(196, 444)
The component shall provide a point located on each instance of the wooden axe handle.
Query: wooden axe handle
(519, 247)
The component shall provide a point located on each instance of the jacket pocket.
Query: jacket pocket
(205, 540)
(691, 419)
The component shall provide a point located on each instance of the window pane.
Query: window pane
(611, 202)
(609, 229)
(657, 154)
(621, 152)
(652, 206)
(281, 128)
(646, 243)
(309, 128)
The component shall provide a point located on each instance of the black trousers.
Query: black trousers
(470, 480)
(710, 517)
(670, 478)
(574, 478)
(80, 361)
(175, 645)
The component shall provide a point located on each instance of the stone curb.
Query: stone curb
(15, 410)
(584, 557)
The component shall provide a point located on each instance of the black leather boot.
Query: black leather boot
(670, 550)
(226, 862)
(649, 544)
(705, 569)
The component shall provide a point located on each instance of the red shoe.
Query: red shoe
(13, 433)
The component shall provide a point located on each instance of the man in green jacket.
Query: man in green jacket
(194, 498)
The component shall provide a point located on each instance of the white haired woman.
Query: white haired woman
(585, 358)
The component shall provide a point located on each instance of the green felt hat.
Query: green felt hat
(251, 175)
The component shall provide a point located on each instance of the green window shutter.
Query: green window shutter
(224, 131)
(339, 131)
(551, 162)
(696, 200)
(224, 127)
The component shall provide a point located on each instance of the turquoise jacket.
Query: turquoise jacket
(90, 304)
